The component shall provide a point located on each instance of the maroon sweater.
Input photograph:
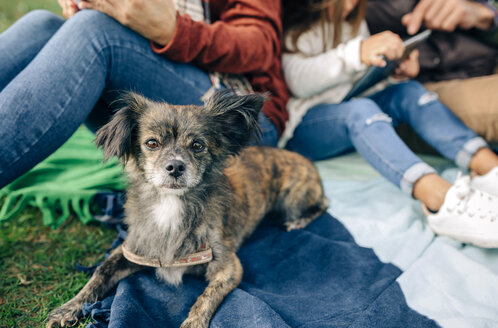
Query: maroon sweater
(244, 37)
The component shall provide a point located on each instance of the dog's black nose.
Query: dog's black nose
(175, 168)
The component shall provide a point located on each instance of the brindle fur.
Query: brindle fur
(220, 197)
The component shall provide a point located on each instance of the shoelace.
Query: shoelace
(465, 193)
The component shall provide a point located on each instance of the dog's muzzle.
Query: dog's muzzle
(175, 168)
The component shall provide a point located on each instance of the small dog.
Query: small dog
(195, 195)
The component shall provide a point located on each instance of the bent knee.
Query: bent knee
(92, 22)
(364, 112)
(417, 92)
(41, 18)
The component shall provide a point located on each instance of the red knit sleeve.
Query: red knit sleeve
(245, 39)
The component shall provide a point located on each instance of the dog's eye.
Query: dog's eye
(197, 146)
(152, 144)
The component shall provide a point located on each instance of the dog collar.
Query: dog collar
(204, 255)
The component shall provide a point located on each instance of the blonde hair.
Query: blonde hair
(300, 15)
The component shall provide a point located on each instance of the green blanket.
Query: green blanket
(64, 183)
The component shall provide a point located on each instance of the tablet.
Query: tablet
(375, 74)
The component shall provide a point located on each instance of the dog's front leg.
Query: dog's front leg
(107, 275)
(223, 278)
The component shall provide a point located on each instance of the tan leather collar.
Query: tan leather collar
(203, 256)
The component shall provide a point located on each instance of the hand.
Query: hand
(69, 8)
(447, 15)
(153, 19)
(386, 44)
(408, 68)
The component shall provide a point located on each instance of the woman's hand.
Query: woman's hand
(153, 19)
(408, 68)
(447, 15)
(69, 8)
(386, 44)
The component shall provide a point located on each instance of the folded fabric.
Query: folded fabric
(64, 183)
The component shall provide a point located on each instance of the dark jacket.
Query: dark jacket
(445, 56)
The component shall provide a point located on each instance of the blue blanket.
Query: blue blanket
(370, 262)
(316, 277)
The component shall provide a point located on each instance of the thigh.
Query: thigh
(88, 59)
(22, 41)
(474, 101)
(131, 65)
(323, 132)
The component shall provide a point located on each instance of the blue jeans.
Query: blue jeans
(57, 74)
(367, 125)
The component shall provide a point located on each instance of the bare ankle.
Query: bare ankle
(431, 190)
(483, 161)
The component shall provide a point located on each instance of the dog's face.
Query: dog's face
(175, 146)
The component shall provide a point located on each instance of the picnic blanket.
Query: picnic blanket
(65, 183)
(371, 261)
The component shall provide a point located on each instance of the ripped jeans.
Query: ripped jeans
(367, 125)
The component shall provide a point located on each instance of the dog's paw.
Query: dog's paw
(64, 316)
(297, 224)
(195, 323)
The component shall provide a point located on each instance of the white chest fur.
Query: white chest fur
(168, 213)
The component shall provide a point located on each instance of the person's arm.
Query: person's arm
(307, 76)
(245, 39)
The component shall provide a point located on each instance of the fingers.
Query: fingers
(435, 11)
(444, 15)
(390, 45)
(68, 8)
(92, 4)
(453, 19)
(408, 68)
(377, 61)
(406, 19)
(108, 7)
(414, 55)
(447, 16)
(417, 16)
(379, 47)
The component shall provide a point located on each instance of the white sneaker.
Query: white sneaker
(467, 215)
(487, 182)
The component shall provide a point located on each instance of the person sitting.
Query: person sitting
(458, 61)
(327, 45)
(56, 74)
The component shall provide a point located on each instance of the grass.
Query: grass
(38, 266)
(37, 263)
(12, 10)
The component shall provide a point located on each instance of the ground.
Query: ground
(37, 263)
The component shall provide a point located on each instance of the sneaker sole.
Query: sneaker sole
(484, 243)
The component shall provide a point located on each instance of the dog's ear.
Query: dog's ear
(237, 117)
(116, 137)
